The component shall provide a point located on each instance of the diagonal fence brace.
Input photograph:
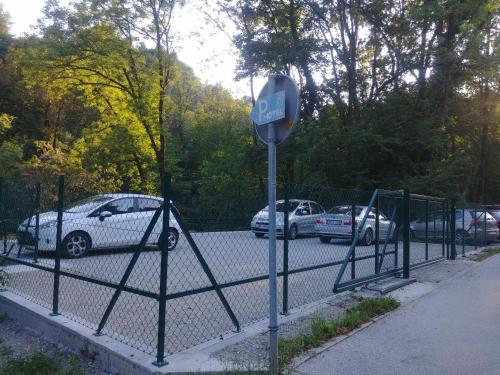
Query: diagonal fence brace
(354, 242)
(207, 270)
(137, 252)
(382, 255)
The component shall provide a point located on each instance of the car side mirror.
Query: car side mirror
(104, 214)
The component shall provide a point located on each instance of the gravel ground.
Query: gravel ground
(17, 341)
(194, 319)
(253, 352)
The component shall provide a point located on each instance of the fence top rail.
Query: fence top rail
(395, 193)
(427, 198)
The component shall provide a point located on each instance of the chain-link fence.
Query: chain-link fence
(115, 262)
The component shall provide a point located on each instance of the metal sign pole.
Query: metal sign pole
(273, 306)
(274, 115)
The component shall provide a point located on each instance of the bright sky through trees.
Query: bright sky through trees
(201, 46)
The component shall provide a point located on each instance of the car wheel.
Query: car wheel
(325, 239)
(292, 233)
(259, 235)
(368, 237)
(76, 244)
(172, 239)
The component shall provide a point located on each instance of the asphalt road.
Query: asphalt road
(452, 330)
(191, 320)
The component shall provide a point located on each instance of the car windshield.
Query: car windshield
(495, 214)
(344, 210)
(87, 204)
(280, 206)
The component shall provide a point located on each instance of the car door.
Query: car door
(418, 227)
(316, 212)
(303, 221)
(146, 207)
(120, 228)
(435, 226)
(383, 225)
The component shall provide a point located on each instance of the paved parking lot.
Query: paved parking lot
(191, 320)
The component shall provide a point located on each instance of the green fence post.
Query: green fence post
(377, 232)
(463, 229)
(3, 231)
(162, 300)
(397, 229)
(447, 234)
(453, 230)
(476, 222)
(443, 226)
(426, 229)
(485, 228)
(353, 230)
(285, 251)
(37, 221)
(406, 234)
(57, 266)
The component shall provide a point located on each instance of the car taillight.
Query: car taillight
(320, 221)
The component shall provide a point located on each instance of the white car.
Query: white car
(337, 223)
(301, 218)
(99, 222)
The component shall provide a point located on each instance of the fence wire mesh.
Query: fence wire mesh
(109, 262)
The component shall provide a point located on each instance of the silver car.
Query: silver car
(301, 218)
(470, 226)
(337, 223)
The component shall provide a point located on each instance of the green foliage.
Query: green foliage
(414, 104)
(485, 254)
(322, 331)
(37, 363)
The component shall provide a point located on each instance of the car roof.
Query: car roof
(129, 195)
(295, 200)
(349, 205)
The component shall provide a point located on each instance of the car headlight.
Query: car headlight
(48, 224)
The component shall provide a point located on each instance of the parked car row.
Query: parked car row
(310, 218)
(100, 222)
(470, 225)
(120, 220)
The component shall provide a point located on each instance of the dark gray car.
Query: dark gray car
(471, 225)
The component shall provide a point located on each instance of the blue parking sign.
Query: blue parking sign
(269, 109)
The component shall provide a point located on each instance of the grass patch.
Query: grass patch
(322, 330)
(37, 363)
(485, 254)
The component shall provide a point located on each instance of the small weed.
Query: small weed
(4, 277)
(485, 254)
(322, 331)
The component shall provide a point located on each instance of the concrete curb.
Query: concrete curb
(122, 359)
(109, 353)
